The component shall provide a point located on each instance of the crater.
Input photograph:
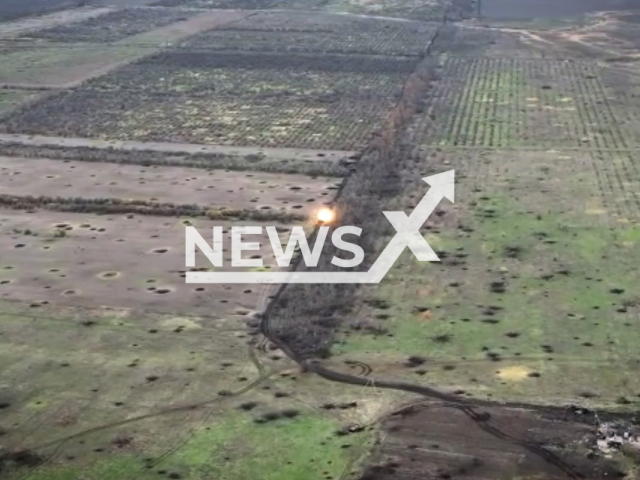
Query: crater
(108, 275)
(162, 291)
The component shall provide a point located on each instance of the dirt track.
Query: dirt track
(173, 147)
(434, 441)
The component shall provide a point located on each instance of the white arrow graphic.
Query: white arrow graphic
(407, 235)
(408, 228)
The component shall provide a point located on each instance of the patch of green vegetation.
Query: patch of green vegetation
(487, 99)
(173, 399)
(54, 64)
(527, 283)
(11, 98)
(510, 103)
(236, 447)
(303, 447)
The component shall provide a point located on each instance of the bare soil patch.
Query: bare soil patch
(185, 148)
(120, 261)
(432, 441)
(218, 189)
(332, 163)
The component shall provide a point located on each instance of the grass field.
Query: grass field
(523, 305)
(534, 298)
(188, 414)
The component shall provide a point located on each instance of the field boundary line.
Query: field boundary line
(480, 148)
(193, 49)
(118, 206)
(32, 87)
(285, 153)
(347, 14)
(566, 60)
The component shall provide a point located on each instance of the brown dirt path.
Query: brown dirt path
(171, 147)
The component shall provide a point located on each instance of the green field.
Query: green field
(535, 297)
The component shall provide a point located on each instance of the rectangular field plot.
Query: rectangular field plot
(322, 32)
(326, 63)
(597, 186)
(428, 442)
(204, 119)
(314, 163)
(395, 43)
(116, 260)
(112, 26)
(520, 103)
(320, 22)
(319, 33)
(262, 76)
(215, 189)
(329, 22)
(261, 100)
